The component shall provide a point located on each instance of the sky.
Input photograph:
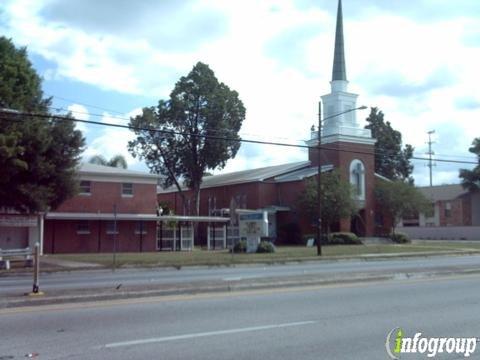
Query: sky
(417, 61)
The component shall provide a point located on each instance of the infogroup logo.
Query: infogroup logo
(397, 343)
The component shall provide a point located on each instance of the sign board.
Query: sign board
(310, 242)
(18, 221)
(252, 227)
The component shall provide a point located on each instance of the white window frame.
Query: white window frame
(85, 193)
(128, 193)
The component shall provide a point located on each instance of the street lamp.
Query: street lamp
(319, 175)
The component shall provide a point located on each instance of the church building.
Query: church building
(344, 145)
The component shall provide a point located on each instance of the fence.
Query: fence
(174, 238)
(216, 237)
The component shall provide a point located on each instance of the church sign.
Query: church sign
(252, 227)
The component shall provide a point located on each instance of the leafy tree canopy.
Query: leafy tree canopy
(391, 160)
(399, 200)
(198, 127)
(116, 161)
(336, 198)
(38, 155)
(471, 178)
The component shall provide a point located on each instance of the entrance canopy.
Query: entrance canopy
(132, 217)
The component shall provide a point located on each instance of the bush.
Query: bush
(343, 238)
(400, 238)
(265, 247)
(240, 247)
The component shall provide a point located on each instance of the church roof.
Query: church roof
(339, 67)
(245, 176)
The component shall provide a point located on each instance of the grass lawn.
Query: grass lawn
(283, 253)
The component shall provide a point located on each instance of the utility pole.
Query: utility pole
(430, 154)
(319, 181)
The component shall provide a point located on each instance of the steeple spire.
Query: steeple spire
(339, 69)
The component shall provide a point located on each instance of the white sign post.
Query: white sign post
(252, 227)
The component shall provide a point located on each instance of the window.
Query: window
(140, 228)
(357, 179)
(83, 227)
(112, 227)
(85, 187)
(127, 189)
(448, 210)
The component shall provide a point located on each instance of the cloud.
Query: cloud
(467, 103)
(111, 141)
(167, 24)
(396, 85)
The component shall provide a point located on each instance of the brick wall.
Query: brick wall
(105, 194)
(61, 237)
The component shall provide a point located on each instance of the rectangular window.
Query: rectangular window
(448, 210)
(83, 227)
(140, 228)
(127, 189)
(85, 188)
(112, 227)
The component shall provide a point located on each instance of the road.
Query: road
(109, 279)
(330, 322)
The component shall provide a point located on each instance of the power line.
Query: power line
(212, 137)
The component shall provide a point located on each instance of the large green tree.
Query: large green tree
(399, 200)
(471, 178)
(194, 131)
(391, 160)
(336, 198)
(38, 154)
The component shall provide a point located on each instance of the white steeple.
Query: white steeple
(342, 127)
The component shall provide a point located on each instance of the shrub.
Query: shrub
(400, 238)
(240, 247)
(343, 238)
(265, 247)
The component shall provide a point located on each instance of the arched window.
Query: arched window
(357, 179)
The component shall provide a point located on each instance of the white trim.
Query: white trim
(131, 217)
(117, 178)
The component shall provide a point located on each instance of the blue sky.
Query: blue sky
(105, 60)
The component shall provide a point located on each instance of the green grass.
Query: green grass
(283, 254)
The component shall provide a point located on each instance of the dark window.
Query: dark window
(448, 210)
(127, 189)
(85, 187)
(140, 228)
(112, 227)
(83, 227)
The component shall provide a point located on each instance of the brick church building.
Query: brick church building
(344, 146)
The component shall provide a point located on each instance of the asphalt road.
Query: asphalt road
(109, 279)
(332, 322)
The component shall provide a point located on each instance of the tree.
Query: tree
(116, 161)
(196, 130)
(38, 154)
(391, 160)
(399, 200)
(471, 178)
(336, 197)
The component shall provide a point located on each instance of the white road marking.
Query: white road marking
(204, 334)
